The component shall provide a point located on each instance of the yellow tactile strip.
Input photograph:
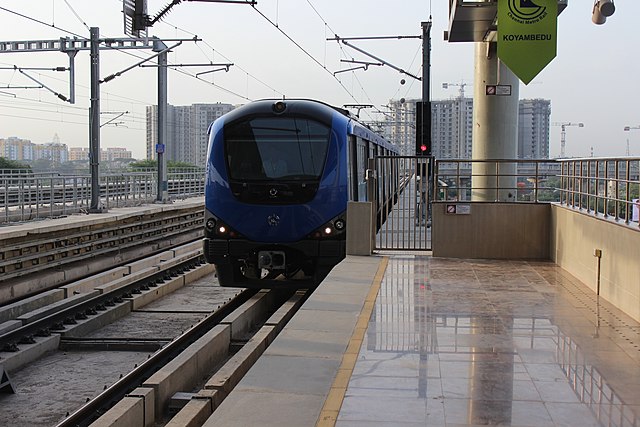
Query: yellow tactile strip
(331, 408)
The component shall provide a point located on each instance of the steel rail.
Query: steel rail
(93, 409)
(44, 327)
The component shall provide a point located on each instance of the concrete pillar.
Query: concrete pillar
(495, 131)
(359, 228)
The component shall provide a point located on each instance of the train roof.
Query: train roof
(355, 126)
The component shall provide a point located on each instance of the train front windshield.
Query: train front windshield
(276, 148)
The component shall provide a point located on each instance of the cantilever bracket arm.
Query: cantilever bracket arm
(115, 118)
(363, 67)
(119, 73)
(221, 67)
(59, 95)
(364, 52)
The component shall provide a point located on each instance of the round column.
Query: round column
(495, 131)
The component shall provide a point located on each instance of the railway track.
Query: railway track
(64, 362)
(57, 252)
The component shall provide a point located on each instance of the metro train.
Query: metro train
(279, 175)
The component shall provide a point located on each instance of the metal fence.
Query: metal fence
(501, 180)
(26, 196)
(606, 187)
(402, 219)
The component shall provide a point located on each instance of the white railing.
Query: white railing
(25, 196)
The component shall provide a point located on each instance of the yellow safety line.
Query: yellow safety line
(331, 408)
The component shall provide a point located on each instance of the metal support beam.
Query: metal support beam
(94, 44)
(426, 108)
(72, 76)
(163, 190)
(94, 122)
(364, 52)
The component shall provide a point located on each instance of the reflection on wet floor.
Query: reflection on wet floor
(470, 342)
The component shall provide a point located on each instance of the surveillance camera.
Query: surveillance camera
(602, 9)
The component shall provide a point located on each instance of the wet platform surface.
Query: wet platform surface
(464, 342)
(446, 342)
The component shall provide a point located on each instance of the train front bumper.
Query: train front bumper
(223, 251)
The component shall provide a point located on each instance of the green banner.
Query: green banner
(527, 35)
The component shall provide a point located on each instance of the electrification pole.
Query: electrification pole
(426, 67)
(425, 112)
(94, 44)
(163, 190)
(94, 121)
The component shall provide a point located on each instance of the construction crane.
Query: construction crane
(627, 129)
(461, 84)
(563, 134)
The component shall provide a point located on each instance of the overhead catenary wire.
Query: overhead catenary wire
(225, 57)
(303, 50)
(217, 86)
(77, 16)
(40, 22)
(355, 76)
(123, 51)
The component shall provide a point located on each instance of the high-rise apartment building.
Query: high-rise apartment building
(451, 124)
(78, 153)
(19, 149)
(534, 117)
(452, 127)
(14, 148)
(55, 152)
(400, 125)
(186, 131)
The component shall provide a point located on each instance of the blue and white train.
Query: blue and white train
(278, 179)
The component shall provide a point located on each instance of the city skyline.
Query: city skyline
(57, 153)
(591, 81)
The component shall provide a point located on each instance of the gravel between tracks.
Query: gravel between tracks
(62, 381)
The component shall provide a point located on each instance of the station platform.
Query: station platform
(411, 340)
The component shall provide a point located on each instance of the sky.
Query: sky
(595, 78)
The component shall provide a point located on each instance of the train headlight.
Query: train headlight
(334, 229)
(210, 224)
(279, 107)
(222, 229)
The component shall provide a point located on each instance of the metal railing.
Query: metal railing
(606, 187)
(27, 196)
(528, 181)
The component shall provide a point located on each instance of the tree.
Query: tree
(144, 164)
(153, 164)
(12, 164)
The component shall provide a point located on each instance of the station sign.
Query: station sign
(458, 209)
(498, 90)
(527, 35)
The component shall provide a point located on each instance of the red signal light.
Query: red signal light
(423, 148)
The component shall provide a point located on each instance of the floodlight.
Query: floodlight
(602, 9)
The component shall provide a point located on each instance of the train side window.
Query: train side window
(352, 170)
(363, 155)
